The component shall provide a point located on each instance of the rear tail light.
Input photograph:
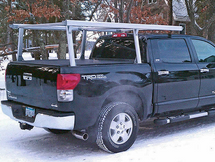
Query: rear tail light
(66, 83)
(119, 35)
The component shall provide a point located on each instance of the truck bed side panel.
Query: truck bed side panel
(34, 84)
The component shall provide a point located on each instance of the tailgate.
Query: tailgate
(32, 84)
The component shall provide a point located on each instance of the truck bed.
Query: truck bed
(34, 82)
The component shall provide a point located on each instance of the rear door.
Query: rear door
(176, 75)
(205, 52)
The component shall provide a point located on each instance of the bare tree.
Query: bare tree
(192, 12)
(170, 12)
(128, 11)
(10, 33)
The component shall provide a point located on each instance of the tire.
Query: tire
(57, 131)
(118, 126)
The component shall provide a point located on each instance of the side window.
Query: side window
(205, 51)
(173, 50)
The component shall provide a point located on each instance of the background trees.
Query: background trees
(202, 16)
(201, 13)
(28, 11)
(126, 11)
(40, 11)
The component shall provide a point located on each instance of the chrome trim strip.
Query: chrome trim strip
(163, 72)
(198, 115)
(204, 70)
(44, 121)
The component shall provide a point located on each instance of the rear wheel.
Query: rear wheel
(118, 127)
(57, 131)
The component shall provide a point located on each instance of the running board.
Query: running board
(175, 119)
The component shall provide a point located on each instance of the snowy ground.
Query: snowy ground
(2, 83)
(188, 141)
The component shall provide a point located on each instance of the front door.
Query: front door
(205, 52)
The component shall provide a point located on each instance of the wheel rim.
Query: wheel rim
(121, 128)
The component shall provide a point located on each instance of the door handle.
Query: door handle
(203, 70)
(163, 72)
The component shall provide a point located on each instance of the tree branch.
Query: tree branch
(191, 14)
(210, 22)
(95, 9)
(128, 11)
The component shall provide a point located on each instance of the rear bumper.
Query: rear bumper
(43, 120)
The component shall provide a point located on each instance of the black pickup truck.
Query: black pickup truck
(104, 97)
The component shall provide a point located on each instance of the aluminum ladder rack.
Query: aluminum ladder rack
(74, 25)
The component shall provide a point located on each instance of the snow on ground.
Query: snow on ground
(186, 141)
(192, 140)
(2, 83)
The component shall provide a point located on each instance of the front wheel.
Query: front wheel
(118, 127)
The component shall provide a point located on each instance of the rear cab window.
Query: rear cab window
(117, 48)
